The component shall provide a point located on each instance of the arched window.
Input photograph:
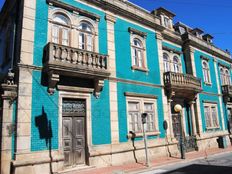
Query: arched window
(206, 72)
(166, 62)
(61, 29)
(137, 53)
(227, 77)
(222, 76)
(86, 36)
(176, 64)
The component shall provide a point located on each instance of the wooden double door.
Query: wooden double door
(74, 132)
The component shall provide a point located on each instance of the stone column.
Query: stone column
(193, 118)
(110, 19)
(8, 127)
(219, 92)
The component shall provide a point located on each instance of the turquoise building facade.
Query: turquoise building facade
(82, 76)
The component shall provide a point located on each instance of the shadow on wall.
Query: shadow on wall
(45, 132)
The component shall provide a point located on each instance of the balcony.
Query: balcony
(181, 85)
(74, 62)
(227, 92)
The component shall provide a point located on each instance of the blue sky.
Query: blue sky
(213, 16)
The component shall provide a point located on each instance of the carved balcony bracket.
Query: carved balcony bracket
(53, 79)
(98, 86)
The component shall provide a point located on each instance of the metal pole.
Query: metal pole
(182, 148)
(145, 143)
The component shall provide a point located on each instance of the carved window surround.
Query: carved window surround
(73, 9)
(140, 33)
(171, 50)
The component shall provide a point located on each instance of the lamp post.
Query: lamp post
(144, 116)
(178, 108)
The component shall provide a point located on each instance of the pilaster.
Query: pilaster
(219, 92)
(193, 118)
(190, 62)
(9, 90)
(111, 19)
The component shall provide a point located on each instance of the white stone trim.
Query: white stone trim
(75, 95)
(141, 102)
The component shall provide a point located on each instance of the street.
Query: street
(217, 164)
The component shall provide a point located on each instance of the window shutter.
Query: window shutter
(89, 43)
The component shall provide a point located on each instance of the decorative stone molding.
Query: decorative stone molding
(159, 36)
(176, 83)
(98, 85)
(9, 88)
(171, 50)
(53, 79)
(74, 62)
(134, 31)
(73, 9)
(110, 18)
(132, 94)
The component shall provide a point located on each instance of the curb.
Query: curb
(174, 162)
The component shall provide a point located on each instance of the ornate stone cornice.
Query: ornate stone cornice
(110, 18)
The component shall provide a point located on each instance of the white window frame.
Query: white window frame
(166, 64)
(60, 29)
(211, 119)
(206, 72)
(225, 78)
(94, 25)
(177, 64)
(141, 102)
(143, 52)
(86, 35)
(170, 62)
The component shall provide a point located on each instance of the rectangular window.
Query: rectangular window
(211, 116)
(135, 109)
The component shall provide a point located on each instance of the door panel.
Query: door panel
(74, 132)
(67, 140)
(79, 140)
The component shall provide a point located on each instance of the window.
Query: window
(135, 108)
(166, 62)
(60, 29)
(166, 22)
(211, 117)
(138, 53)
(225, 76)
(86, 36)
(206, 72)
(176, 64)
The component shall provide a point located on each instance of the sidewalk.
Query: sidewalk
(135, 167)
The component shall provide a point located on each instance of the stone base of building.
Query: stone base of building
(99, 156)
(211, 140)
(107, 155)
